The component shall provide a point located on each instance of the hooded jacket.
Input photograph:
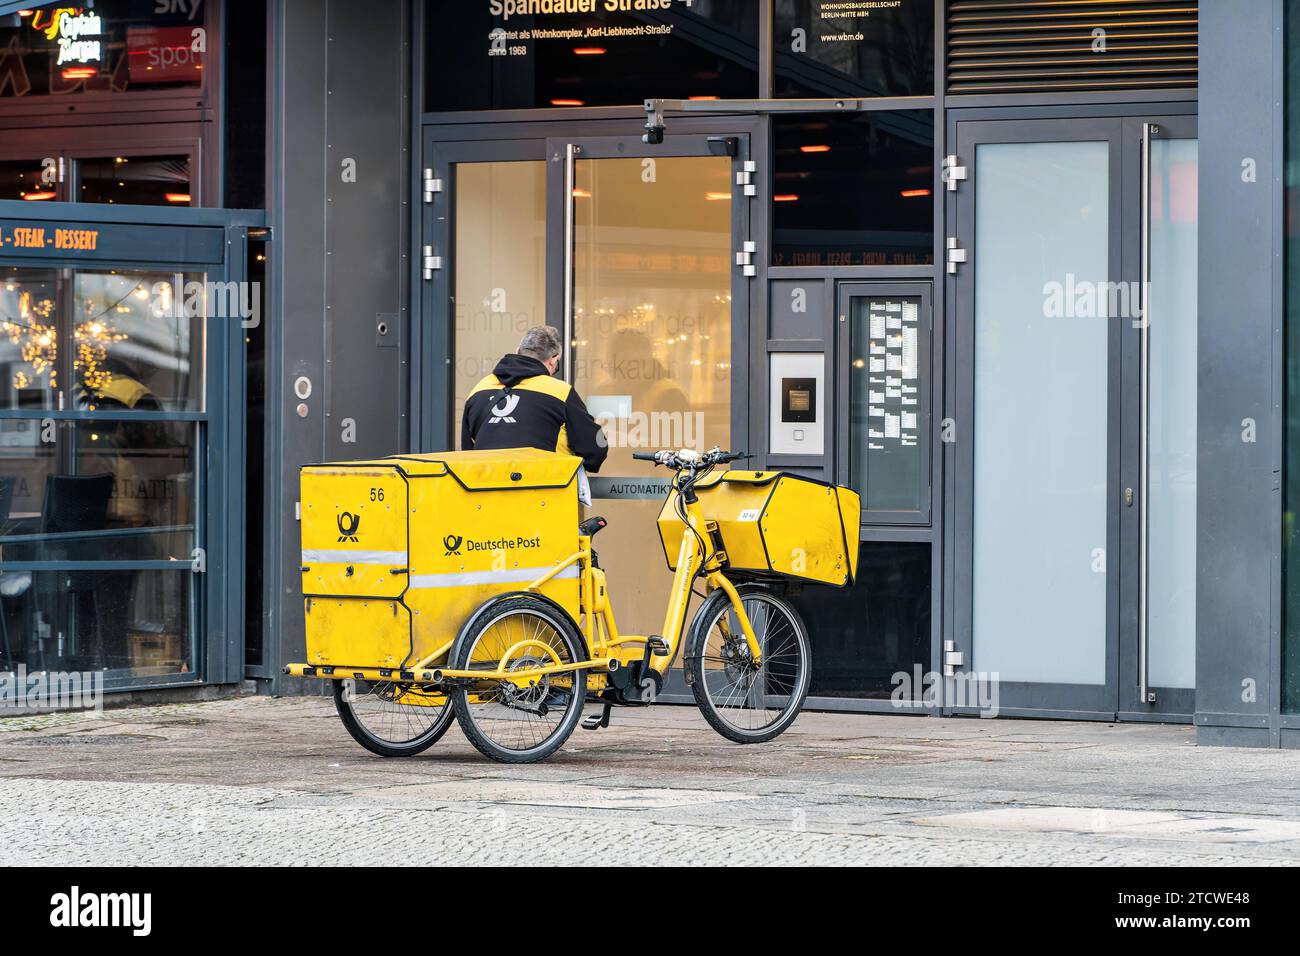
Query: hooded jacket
(521, 405)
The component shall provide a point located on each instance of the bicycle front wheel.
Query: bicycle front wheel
(744, 701)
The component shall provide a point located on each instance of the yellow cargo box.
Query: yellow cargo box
(398, 552)
(775, 523)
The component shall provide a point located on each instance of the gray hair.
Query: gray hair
(541, 342)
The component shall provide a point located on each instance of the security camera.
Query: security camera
(654, 123)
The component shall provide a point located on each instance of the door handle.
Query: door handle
(1128, 497)
(1145, 694)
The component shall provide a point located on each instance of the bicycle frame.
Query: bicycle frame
(608, 649)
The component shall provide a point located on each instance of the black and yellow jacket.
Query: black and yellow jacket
(521, 405)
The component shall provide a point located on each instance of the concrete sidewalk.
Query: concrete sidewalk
(258, 780)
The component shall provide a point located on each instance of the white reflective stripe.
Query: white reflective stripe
(464, 579)
(396, 559)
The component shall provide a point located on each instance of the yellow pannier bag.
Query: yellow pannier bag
(398, 552)
(772, 522)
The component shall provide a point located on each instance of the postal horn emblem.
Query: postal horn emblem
(348, 525)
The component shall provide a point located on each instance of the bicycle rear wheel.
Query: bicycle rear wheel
(524, 719)
(745, 702)
(392, 720)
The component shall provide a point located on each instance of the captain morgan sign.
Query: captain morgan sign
(78, 34)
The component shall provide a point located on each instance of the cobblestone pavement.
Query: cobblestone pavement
(257, 780)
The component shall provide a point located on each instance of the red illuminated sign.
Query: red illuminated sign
(162, 55)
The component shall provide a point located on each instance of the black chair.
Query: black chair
(75, 503)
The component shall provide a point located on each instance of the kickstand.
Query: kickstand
(597, 721)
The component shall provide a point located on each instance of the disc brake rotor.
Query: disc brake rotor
(530, 696)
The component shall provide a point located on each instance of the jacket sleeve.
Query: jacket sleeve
(466, 431)
(586, 437)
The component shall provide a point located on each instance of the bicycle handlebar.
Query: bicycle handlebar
(687, 458)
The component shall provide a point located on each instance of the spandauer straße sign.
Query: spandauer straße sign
(505, 9)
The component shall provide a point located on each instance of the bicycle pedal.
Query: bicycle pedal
(597, 721)
(658, 646)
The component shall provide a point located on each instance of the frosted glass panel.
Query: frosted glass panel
(1039, 611)
(1172, 498)
(500, 269)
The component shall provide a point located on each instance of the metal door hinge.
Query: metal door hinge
(745, 177)
(952, 658)
(955, 255)
(952, 172)
(432, 186)
(745, 258)
(429, 262)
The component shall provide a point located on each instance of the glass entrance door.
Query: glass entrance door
(1075, 510)
(630, 250)
(650, 291)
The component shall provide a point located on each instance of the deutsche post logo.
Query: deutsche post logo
(504, 411)
(452, 543)
(348, 525)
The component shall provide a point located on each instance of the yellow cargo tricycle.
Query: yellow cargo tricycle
(462, 586)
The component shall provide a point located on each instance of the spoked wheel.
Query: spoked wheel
(519, 719)
(392, 720)
(745, 702)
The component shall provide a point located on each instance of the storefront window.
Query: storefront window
(854, 48)
(127, 341)
(130, 624)
(138, 180)
(29, 180)
(509, 54)
(116, 484)
(108, 490)
(867, 634)
(110, 46)
(853, 190)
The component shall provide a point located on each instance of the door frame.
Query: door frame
(1084, 701)
(963, 127)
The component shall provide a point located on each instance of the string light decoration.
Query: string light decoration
(37, 339)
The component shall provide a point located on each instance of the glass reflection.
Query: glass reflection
(123, 340)
(652, 340)
(706, 49)
(29, 180)
(128, 623)
(137, 180)
(97, 491)
(831, 48)
(853, 190)
(866, 634)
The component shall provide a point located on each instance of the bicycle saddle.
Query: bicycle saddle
(592, 525)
